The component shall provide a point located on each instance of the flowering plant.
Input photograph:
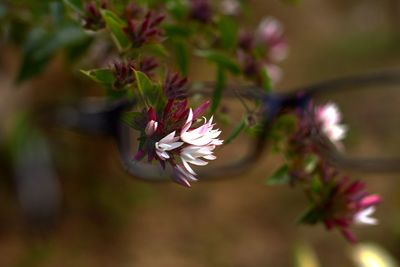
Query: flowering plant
(142, 50)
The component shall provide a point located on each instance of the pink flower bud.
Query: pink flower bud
(151, 128)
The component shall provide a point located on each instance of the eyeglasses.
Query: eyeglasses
(370, 105)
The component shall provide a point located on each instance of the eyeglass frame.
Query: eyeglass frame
(105, 119)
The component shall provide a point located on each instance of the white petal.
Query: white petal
(362, 217)
(187, 167)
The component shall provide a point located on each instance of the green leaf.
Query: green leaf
(228, 32)
(310, 216)
(104, 76)
(266, 82)
(75, 5)
(280, 176)
(63, 37)
(177, 8)
(130, 117)
(155, 49)
(177, 31)
(3, 10)
(182, 55)
(310, 162)
(40, 46)
(57, 13)
(31, 64)
(219, 87)
(115, 25)
(236, 131)
(221, 59)
(150, 92)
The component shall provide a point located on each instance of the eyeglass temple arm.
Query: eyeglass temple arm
(346, 83)
(94, 117)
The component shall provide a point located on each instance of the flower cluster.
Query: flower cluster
(336, 201)
(177, 136)
(200, 10)
(92, 19)
(348, 203)
(143, 31)
(123, 71)
(263, 50)
(329, 118)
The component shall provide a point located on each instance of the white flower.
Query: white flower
(201, 136)
(151, 127)
(202, 142)
(196, 155)
(330, 117)
(182, 176)
(166, 144)
(230, 7)
(363, 216)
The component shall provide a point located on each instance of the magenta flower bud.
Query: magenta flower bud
(200, 10)
(152, 114)
(370, 200)
(132, 11)
(139, 155)
(175, 87)
(92, 19)
(246, 40)
(146, 31)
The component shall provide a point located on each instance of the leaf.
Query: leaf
(177, 31)
(155, 49)
(31, 64)
(236, 131)
(104, 76)
(41, 45)
(57, 13)
(310, 216)
(219, 87)
(115, 25)
(220, 59)
(310, 162)
(177, 8)
(266, 81)
(75, 5)
(182, 54)
(149, 91)
(228, 32)
(280, 176)
(63, 37)
(130, 117)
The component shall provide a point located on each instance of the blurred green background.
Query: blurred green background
(109, 219)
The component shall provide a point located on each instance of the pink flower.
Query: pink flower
(270, 33)
(166, 144)
(329, 116)
(274, 73)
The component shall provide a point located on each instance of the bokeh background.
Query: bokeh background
(109, 219)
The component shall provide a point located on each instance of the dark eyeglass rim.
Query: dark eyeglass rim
(107, 122)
